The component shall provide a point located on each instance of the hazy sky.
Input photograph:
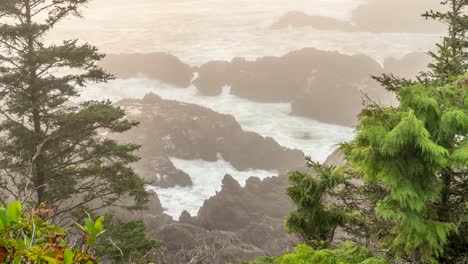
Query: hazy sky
(201, 30)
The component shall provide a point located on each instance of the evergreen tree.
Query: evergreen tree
(404, 149)
(52, 151)
(313, 219)
(450, 60)
(451, 57)
(412, 158)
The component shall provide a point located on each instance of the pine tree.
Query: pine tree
(450, 61)
(413, 159)
(451, 57)
(313, 219)
(404, 149)
(52, 151)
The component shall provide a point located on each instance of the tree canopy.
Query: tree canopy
(53, 150)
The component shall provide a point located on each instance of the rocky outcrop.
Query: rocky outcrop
(282, 79)
(297, 19)
(372, 16)
(326, 86)
(238, 223)
(187, 131)
(212, 76)
(191, 244)
(409, 65)
(121, 209)
(256, 213)
(160, 66)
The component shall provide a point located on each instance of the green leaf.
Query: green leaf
(13, 211)
(68, 257)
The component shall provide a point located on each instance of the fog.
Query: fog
(233, 95)
(307, 100)
(200, 31)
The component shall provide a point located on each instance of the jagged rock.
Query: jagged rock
(187, 131)
(233, 207)
(160, 66)
(256, 212)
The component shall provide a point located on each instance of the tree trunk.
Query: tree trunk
(444, 210)
(38, 161)
(417, 255)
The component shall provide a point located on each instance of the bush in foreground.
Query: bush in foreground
(28, 238)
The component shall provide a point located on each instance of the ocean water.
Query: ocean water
(316, 139)
(198, 31)
(207, 177)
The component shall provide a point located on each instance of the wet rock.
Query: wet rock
(322, 85)
(159, 66)
(256, 212)
(187, 131)
(212, 76)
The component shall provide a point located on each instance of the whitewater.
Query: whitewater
(316, 139)
(200, 31)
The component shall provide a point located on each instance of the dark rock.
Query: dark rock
(268, 234)
(185, 242)
(213, 76)
(158, 169)
(160, 66)
(120, 208)
(187, 131)
(154, 223)
(317, 81)
(372, 16)
(298, 19)
(229, 184)
(409, 66)
(255, 212)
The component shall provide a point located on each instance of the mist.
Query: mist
(232, 96)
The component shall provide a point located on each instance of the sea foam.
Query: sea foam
(206, 177)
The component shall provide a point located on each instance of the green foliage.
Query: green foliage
(27, 238)
(405, 149)
(439, 102)
(92, 230)
(346, 253)
(451, 58)
(311, 218)
(52, 150)
(126, 242)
